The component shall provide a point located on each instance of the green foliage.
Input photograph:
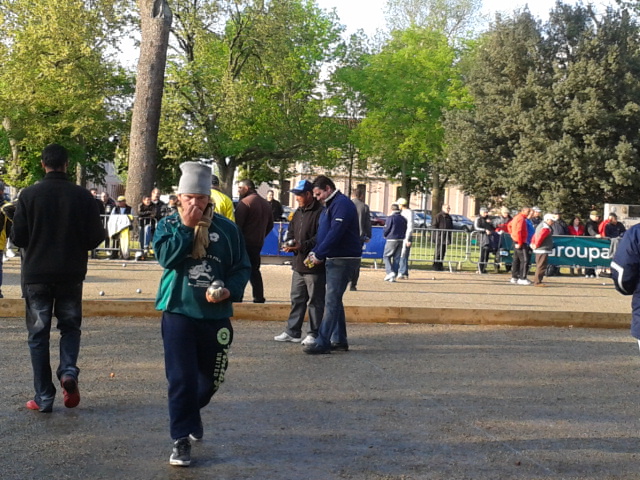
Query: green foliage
(556, 112)
(407, 87)
(57, 83)
(246, 94)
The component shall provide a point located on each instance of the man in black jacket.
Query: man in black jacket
(56, 223)
(443, 221)
(307, 282)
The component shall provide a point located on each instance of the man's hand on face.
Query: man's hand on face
(193, 207)
(191, 215)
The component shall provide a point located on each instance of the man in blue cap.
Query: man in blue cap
(307, 281)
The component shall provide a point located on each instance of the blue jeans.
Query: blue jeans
(403, 268)
(391, 255)
(43, 300)
(306, 288)
(195, 360)
(333, 327)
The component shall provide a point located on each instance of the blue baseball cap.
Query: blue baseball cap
(301, 187)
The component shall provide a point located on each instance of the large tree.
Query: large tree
(242, 85)
(556, 112)
(60, 83)
(407, 87)
(155, 20)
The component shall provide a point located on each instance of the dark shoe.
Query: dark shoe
(259, 300)
(344, 347)
(32, 405)
(353, 288)
(70, 391)
(315, 349)
(181, 455)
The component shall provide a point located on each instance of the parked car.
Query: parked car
(420, 220)
(460, 222)
(378, 219)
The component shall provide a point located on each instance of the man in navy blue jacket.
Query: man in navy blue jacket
(394, 232)
(625, 271)
(338, 246)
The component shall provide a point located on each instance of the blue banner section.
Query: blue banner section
(372, 249)
(569, 250)
(583, 251)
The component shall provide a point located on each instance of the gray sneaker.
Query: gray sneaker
(181, 455)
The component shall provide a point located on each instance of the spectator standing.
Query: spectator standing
(276, 207)
(591, 229)
(254, 217)
(614, 229)
(308, 283)
(118, 226)
(56, 223)
(172, 206)
(487, 238)
(519, 233)
(222, 203)
(338, 246)
(159, 207)
(536, 216)
(364, 223)
(559, 227)
(501, 224)
(196, 247)
(394, 233)
(444, 222)
(121, 208)
(405, 253)
(576, 228)
(108, 202)
(542, 246)
(146, 221)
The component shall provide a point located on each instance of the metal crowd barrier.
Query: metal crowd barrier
(126, 236)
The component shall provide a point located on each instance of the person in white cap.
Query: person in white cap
(407, 213)
(198, 249)
(542, 246)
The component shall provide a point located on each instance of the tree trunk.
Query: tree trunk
(436, 191)
(156, 20)
(13, 169)
(225, 174)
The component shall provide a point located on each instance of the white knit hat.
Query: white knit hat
(195, 179)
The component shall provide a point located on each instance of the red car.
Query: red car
(378, 219)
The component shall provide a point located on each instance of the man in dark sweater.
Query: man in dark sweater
(56, 223)
(307, 282)
(254, 217)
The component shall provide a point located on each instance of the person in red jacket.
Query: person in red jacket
(519, 235)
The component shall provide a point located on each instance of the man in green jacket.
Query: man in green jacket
(196, 247)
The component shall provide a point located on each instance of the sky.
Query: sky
(369, 14)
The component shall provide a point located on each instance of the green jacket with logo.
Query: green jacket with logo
(185, 279)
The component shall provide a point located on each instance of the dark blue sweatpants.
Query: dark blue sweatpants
(195, 359)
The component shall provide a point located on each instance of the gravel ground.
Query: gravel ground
(406, 402)
(120, 281)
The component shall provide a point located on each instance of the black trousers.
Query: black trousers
(257, 287)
